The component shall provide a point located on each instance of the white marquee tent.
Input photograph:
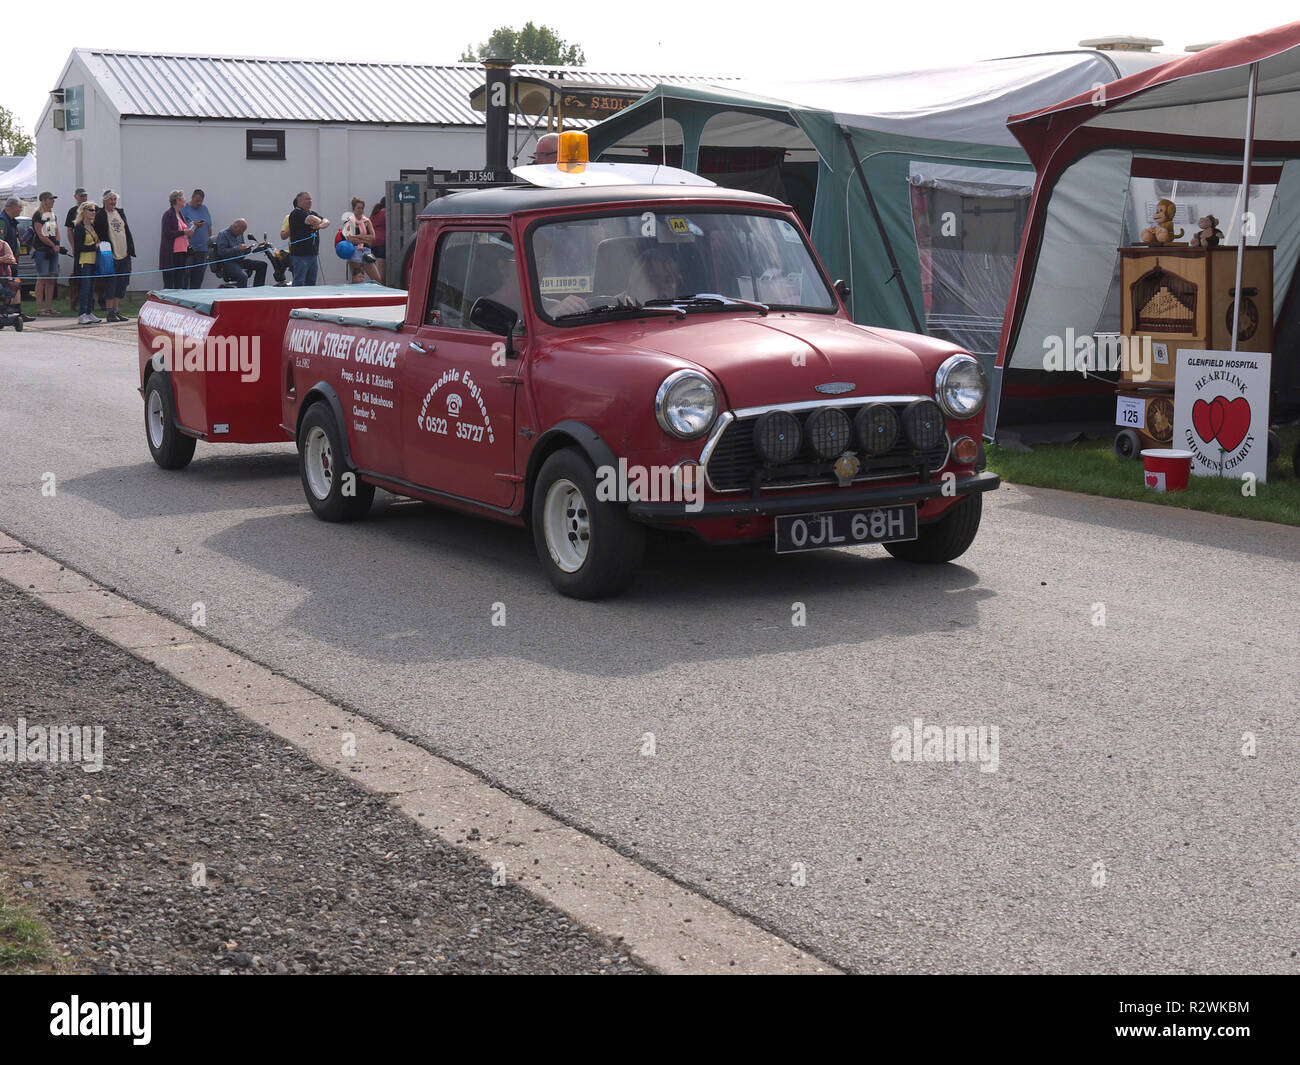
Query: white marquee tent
(21, 180)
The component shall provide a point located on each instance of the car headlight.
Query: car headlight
(961, 387)
(686, 404)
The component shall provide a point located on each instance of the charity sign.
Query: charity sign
(1221, 411)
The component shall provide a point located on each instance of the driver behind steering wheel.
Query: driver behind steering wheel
(654, 276)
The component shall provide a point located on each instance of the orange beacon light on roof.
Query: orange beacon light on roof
(572, 154)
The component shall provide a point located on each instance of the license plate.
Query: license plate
(840, 528)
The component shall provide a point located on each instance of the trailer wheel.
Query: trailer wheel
(589, 548)
(333, 489)
(1127, 444)
(945, 539)
(170, 448)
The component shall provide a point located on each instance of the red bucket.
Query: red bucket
(1166, 469)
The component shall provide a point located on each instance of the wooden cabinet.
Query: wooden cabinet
(1182, 297)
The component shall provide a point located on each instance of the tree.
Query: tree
(532, 44)
(13, 141)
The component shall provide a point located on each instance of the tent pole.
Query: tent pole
(896, 270)
(1252, 89)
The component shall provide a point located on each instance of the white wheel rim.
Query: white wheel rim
(156, 426)
(566, 524)
(318, 460)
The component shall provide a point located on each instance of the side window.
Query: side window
(470, 265)
(447, 299)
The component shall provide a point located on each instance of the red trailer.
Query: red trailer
(210, 361)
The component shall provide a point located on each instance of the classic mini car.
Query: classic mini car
(587, 359)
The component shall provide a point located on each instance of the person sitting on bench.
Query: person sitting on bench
(230, 245)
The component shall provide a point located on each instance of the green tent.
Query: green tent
(910, 185)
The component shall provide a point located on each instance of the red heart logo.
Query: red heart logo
(1236, 421)
(1152, 480)
(1207, 419)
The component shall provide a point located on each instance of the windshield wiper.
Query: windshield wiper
(620, 308)
(698, 298)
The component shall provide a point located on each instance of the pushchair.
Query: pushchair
(10, 287)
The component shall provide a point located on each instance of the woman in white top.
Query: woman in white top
(358, 229)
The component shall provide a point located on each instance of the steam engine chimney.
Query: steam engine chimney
(498, 116)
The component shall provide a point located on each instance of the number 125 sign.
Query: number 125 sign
(1131, 412)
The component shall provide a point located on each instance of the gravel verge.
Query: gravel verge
(303, 872)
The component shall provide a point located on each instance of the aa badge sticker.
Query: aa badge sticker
(1221, 411)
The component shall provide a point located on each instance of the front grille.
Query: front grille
(735, 464)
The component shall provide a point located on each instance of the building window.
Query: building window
(265, 143)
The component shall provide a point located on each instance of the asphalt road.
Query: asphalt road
(1118, 744)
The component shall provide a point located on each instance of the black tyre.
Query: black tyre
(1127, 444)
(170, 448)
(1274, 445)
(945, 539)
(589, 548)
(332, 487)
(18, 324)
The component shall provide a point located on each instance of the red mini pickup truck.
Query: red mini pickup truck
(590, 361)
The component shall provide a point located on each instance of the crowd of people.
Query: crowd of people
(102, 248)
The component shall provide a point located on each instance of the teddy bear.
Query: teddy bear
(1209, 233)
(1161, 231)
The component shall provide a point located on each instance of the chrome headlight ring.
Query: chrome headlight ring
(686, 404)
(960, 386)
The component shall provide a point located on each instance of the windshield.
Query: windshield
(610, 264)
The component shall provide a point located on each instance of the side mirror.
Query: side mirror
(494, 317)
(842, 289)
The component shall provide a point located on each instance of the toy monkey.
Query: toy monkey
(1161, 231)
(1209, 233)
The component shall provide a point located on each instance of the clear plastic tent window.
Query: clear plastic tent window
(968, 222)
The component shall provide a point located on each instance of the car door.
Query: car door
(459, 389)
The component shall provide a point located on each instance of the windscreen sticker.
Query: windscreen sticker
(679, 231)
(449, 414)
(790, 234)
(577, 283)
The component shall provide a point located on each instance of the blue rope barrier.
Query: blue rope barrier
(176, 269)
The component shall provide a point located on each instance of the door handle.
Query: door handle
(417, 346)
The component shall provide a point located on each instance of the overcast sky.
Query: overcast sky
(757, 39)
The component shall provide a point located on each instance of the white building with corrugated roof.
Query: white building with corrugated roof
(252, 132)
